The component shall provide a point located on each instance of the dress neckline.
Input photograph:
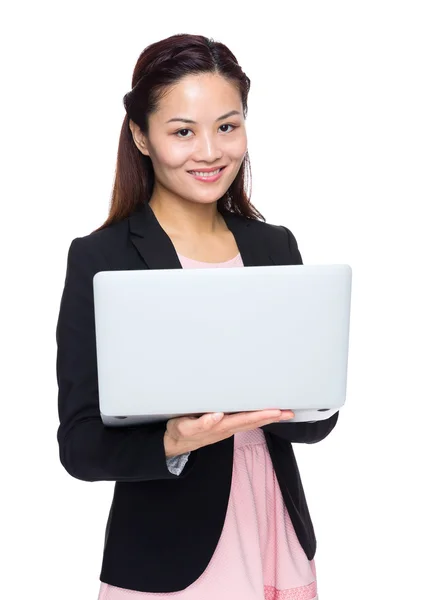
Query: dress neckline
(203, 262)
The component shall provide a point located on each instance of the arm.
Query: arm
(309, 432)
(89, 450)
(303, 433)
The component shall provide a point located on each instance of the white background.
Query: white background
(345, 136)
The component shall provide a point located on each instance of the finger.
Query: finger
(254, 425)
(287, 414)
(249, 419)
(208, 421)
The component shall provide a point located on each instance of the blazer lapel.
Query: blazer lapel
(158, 252)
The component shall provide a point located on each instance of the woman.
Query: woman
(209, 507)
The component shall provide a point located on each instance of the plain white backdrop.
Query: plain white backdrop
(345, 135)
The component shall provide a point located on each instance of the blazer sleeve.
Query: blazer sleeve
(89, 450)
(313, 431)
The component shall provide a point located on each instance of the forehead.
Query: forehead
(200, 97)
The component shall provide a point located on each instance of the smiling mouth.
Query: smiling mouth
(207, 173)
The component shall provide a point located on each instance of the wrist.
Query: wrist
(170, 446)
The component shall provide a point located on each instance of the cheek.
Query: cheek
(239, 147)
(174, 155)
(167, 153)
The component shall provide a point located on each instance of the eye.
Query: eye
(179, 131)
(228, 125)
(186, 129)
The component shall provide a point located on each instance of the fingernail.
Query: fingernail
(217, 416)
(287, 417)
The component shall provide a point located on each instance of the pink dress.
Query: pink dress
(258, 556)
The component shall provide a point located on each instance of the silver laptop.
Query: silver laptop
(175, 342)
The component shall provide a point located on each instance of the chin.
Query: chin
(209, 198)
(204, 200)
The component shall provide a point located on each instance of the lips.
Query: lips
(207, 170)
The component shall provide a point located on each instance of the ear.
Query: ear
(138, 137)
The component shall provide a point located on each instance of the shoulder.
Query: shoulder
(278, 235)
(279, 239)
(94, 250)
(103, 238)
(99, 242)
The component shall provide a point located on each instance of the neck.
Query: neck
(178, 216)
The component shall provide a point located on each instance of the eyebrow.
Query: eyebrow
(182, 120)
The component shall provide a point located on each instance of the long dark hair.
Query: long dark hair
(160, 65)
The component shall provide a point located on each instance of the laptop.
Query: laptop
(182, 342)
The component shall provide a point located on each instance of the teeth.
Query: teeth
(201, 174)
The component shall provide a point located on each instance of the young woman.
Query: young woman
(210, 507)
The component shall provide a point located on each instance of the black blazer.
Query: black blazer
(162, 528)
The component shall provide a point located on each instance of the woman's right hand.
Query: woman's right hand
(185, 434)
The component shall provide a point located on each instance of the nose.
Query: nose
(208, 148)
